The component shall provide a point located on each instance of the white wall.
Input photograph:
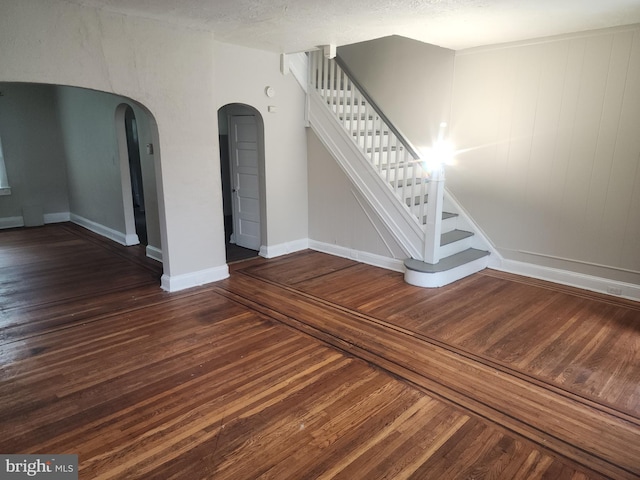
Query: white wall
(410, 81)
(339, 217)
(241, 76)
(169, 70)
(552, 171)
(33, 152)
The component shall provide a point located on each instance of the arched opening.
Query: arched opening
(73, 161)
(241, 135)
(132, 175)
(135, 170)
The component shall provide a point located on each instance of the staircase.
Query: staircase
(407, 192)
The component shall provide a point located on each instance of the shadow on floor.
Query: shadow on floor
(236, 253)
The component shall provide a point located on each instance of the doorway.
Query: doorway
(135, 171)
(242, 170)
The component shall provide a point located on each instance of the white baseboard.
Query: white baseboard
(154, 253)
(57, 217)
(107, 232)
(176, 283)
(564, 277)
(131, 239)
(14, 222)
(364, 257)
(272, 251)
(11, 222)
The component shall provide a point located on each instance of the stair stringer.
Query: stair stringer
(399, 221)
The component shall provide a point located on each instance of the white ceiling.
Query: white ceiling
(296, 25)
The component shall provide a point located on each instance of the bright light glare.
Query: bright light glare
(440, 154)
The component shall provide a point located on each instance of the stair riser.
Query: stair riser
(449, 224)
(456, 247)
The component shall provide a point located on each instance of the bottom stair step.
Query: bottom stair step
(447, 270)
(446, 263)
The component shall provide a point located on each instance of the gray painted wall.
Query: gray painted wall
(552, 164)
(88, 128)
(61, 154)
(411, 81)
(33, 150)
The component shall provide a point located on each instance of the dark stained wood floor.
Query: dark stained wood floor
(308, 366)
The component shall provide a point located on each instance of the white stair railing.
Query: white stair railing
(388, 151)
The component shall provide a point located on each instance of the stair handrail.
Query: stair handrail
(403, 139)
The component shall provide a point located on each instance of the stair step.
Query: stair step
(344, 101)
(445, 216)
(355, 116)
(370, 133)
(397, 165)
(454, 236)
(409, 182)
(384, 149)
(447, 263)
(416, 200)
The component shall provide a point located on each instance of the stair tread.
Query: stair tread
(387, 148)
(454, 236)
(361, 133)
(447, 263)
(445, 216)
(401, 182)
(397, 165)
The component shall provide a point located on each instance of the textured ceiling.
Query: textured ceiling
(297, 25)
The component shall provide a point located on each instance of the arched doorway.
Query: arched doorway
(241, 134)
(135, 171)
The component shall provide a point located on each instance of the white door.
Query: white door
(243, 149)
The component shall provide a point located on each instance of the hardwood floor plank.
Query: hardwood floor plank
(533, 329)
(543, 416)
(307, 366)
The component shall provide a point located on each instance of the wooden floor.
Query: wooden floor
(308, 366)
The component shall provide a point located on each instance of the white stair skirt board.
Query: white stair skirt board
(154, 253)
(359, 256)
(119, 237)
(447, 270)
(272, 251)
(572, 279)
(175, 283)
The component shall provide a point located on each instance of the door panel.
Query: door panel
(243, 132)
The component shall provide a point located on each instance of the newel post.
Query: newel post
(435, 190)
